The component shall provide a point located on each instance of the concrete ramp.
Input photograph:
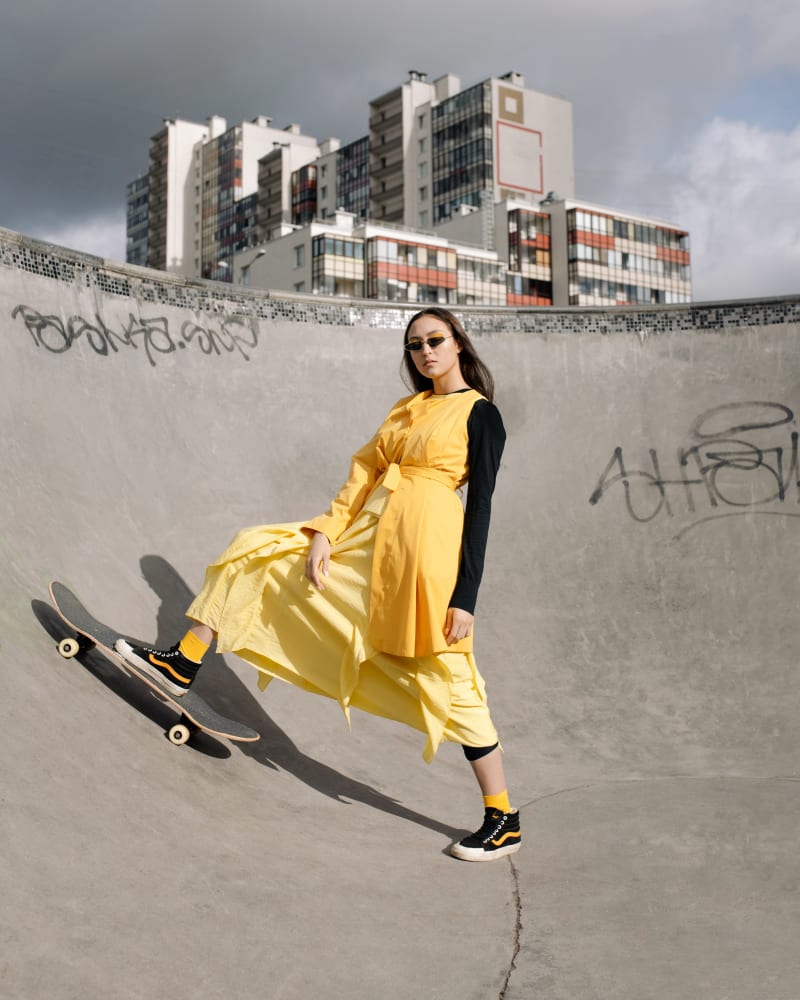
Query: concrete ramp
(636, 628)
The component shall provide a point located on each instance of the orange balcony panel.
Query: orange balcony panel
(537, 241)
(591, 239)
(527, 300)
(414, 275)
(675, 256)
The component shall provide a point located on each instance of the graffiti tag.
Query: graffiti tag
(739, 456)
(153, 335)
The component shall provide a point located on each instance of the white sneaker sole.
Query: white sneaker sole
(478, 854)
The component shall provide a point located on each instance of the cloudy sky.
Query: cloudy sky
(687, 110)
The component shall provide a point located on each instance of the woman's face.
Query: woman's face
(436, 363)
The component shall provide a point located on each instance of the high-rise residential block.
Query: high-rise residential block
(471, 191)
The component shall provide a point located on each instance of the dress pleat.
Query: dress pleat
(257, 598)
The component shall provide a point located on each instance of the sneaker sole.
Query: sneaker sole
(476, 854)
(127, 654)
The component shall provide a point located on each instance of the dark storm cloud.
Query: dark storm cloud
(85, 85)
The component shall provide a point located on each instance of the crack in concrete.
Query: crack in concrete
(658, 778)
(517, 930)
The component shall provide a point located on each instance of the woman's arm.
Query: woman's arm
(487, 439)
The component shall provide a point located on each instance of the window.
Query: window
(300, 286)
(300, 255)
(323, 191)
(421, 121)
(423, 194)
(422, 171)
(422, 145)
(423, 218)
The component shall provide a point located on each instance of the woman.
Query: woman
(372, 603)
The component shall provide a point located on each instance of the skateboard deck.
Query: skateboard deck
(195, 714)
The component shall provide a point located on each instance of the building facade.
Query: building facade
(202, 195)
(174, 195)
(557, 253)
(605, 257)
(435, 147)
(471, 191)
(137, 201)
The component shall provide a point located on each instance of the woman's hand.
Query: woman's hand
(319, 556)
(458, 625)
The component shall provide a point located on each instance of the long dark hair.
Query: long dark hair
(475, 373)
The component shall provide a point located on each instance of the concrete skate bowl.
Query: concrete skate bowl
(636, 626)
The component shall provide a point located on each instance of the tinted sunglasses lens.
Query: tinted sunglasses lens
(417, 345)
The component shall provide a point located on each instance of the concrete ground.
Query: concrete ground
(637, 629)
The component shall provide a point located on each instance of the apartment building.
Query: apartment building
(173, 231)
(435, 147)
(560, 252)
(203, 191)
(346, 256)
(474, 189)
(604, 257)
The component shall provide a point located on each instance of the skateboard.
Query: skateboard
(195, 714)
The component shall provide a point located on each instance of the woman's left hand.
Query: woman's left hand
(458, 625)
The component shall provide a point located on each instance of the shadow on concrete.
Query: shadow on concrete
(135, 694)
(225, 691)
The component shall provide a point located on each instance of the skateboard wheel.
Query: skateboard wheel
(69, 648)
(179, 734)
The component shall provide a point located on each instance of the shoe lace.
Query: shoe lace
(493, 823)
(164, 654)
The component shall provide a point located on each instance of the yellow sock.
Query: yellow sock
(192, 648)
(499, 801)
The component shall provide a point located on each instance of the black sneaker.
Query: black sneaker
(498, 836)
(169, 667)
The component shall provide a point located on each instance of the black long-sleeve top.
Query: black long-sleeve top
(487, 438)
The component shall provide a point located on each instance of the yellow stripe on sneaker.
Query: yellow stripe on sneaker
(166, 666)
(505, 837)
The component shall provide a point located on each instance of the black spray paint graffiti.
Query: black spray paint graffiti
(739, 457)
(153, 336)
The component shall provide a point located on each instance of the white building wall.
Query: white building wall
(183, 194)
(327, 195)
(259, 138)
(417, 98)
(278, 267)
(464, 226)
(533, 146)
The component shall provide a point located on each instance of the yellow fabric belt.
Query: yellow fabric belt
(394, 473)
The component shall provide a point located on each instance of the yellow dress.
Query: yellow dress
(373, 639)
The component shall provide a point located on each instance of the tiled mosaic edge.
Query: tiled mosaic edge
(147, 286)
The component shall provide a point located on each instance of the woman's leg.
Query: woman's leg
(204, 633)
(489, 772)
(500, 833)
